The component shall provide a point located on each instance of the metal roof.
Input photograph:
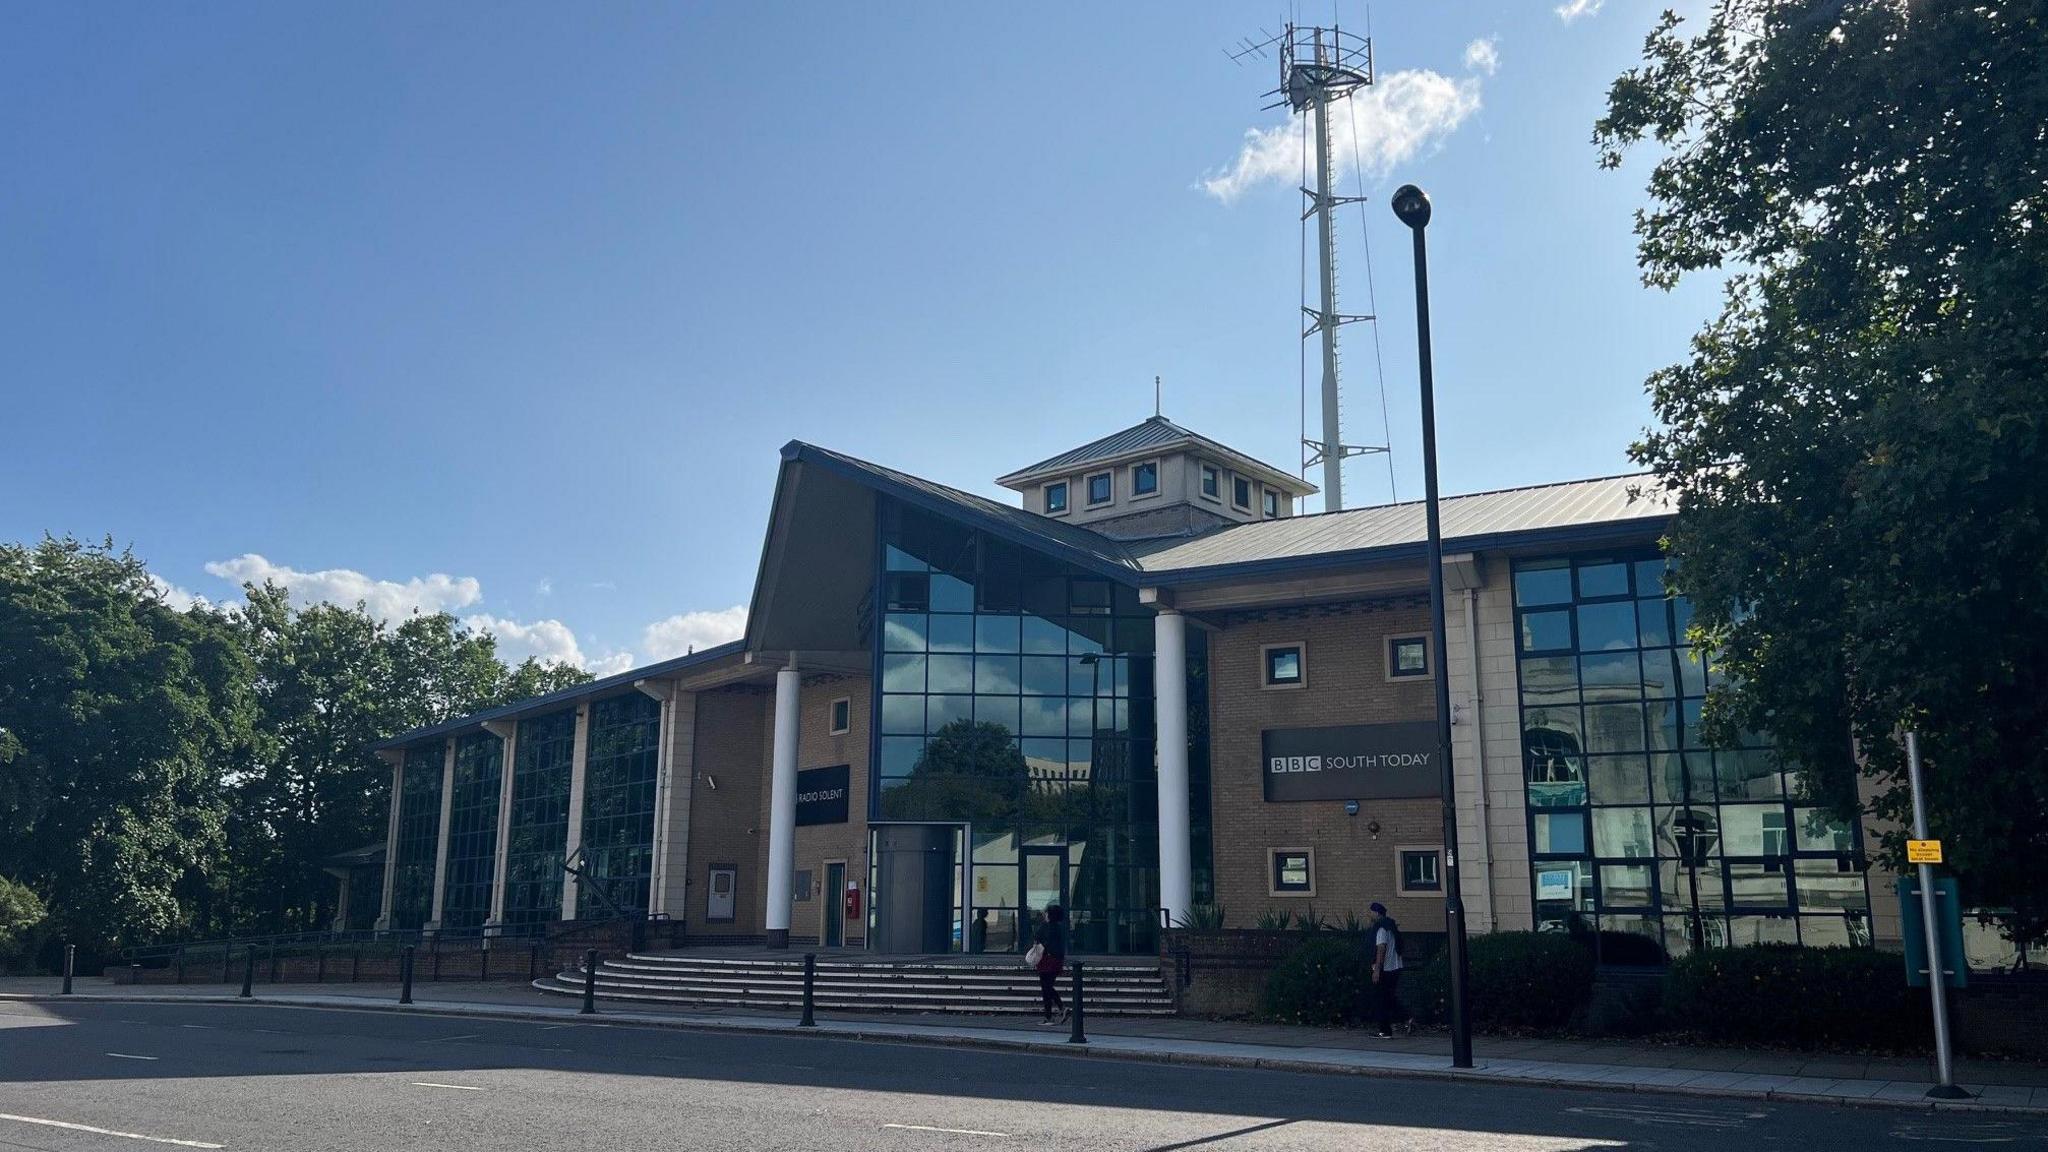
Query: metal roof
(596, 687)
(1629, 504)
(1155, 433)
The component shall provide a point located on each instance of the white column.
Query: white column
(507, 732)
(1170, 675)
(441, 841)
(579, 761)
(397, 762)
(672, 850)
(782, 807)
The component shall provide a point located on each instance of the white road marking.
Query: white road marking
(457, 1087)
(947, 1131)
(1996, 1132)
(447, 1039)
(126, 1056)
(1671, 1116)
(202, 1027)
(106, 1131)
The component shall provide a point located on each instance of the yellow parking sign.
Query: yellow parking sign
(1923, 851)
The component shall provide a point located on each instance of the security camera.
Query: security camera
(1411, 204)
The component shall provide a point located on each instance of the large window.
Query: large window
(1016, 695)
(542, 762)
(419, 835)
(1636, 823)
(473, 831)
(618, 803)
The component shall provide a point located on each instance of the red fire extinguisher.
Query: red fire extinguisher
(853, 899)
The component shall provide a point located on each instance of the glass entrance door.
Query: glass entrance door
(835, 904)
(1044, 883)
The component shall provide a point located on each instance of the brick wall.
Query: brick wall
(728, 823)
(1345, 660)
(818, 843)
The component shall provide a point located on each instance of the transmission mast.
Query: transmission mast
(1318, 67)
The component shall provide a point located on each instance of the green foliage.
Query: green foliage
(21, 920)
(1203, 918)
(1357, 925)
(1859, 442)
(1309, 922)
(1519, 982)
(1325, 981)
(1786, 994)
(1273, 920)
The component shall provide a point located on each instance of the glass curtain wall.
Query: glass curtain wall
(1017, 697)
(1637, 825)
(473, 831)
(419, 834)
(542, 761)
(618, 804)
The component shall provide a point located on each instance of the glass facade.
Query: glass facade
(1636, 825)
(543, 758)
(419, 834)
(473, 831)
(1016, 696)
(618, 804)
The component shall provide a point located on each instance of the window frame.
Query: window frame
(1046, 494)
(1237, 482)
(1273, 885)
(1108, 488)
(1401, 855)
(1151, 492)
(1428, 666)
(1209, 482)
(839, 716)
(1269, 502)
(1266, 651)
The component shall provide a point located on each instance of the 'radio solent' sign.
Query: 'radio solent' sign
(1354, 762)
(821, 795)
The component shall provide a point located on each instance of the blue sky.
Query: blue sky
(507, 309)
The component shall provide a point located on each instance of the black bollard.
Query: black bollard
(405, 975)
(320, 964)
(589, 983)
(248, 971)
(810, 978)
(70, 965)
(1077, 1037)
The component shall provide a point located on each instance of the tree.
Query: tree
(122, 720)
(1856, 442)
(21, 919)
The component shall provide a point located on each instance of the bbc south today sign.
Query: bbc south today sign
(1351, 762)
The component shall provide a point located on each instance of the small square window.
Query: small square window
(1212, 482)
(1241, 492)
(1407, 657)
(1272, 503)
(1294, 872)
(1420, 871)
(842, 715)
(1284, 665)
(1056, 498)
(1145, 478)
(1098, 488)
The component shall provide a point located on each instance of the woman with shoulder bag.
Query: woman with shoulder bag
(1047, 956)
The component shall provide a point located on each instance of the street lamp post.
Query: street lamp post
(1411, 205)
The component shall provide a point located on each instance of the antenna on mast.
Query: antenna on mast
(1318, 67)
(1155, 396)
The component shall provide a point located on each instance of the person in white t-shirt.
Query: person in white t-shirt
(1386, 968)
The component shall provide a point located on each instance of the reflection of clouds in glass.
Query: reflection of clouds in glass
(903, 632)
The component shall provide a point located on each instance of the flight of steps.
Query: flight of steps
(1113, 987)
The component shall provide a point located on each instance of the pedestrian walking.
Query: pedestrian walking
(1047, 956)
(1386, 970)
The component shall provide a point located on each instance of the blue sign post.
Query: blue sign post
(1948, 923)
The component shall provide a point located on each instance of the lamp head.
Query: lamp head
(1411, 204)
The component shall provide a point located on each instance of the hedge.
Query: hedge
(1786, 994)
(1327, 981)
(1518, 982)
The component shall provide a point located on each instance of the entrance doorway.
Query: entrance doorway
(1044, 882)
(835, 904)
(916, 884)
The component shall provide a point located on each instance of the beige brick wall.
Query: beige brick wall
(819, 843)
(1346, 684)
(727, 823)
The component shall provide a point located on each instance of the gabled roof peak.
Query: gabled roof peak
(1151, 435)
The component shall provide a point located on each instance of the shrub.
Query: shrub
(21, 921)
(1203, 918)
(1519, 981)
(1788, 994)
(1327, 980)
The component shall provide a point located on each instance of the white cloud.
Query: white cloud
(1483, 56)
(178, 599)
(1395, 119)
(1572, 10)
(549, 641)
(387, 600)
(546, 587)
(686, 631)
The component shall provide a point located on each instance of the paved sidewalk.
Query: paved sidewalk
(1882, 1081)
